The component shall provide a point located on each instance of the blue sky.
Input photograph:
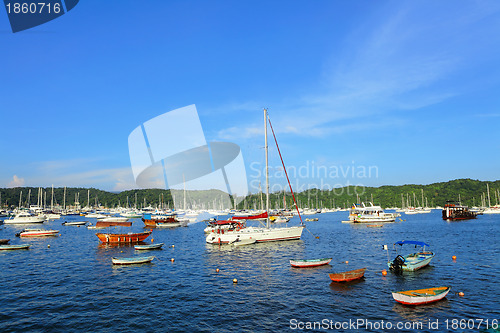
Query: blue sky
(409, 89)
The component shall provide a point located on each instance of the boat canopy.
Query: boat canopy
(412, 242)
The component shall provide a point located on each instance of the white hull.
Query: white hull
(418, 298)
(25, 220)
(491, 211)
(255, 233)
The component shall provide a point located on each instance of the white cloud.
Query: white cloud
(16, 182)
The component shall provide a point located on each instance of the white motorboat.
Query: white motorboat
(25, 217)
(37, 233)
(371, 214)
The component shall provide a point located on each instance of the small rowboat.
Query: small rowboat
(15, 247)
(74, 223)
(148, 246)
(4, 241)
(348, 276)
(132, 260)
(123, 238)
(306, 263)
(421, 296)
(37, 233)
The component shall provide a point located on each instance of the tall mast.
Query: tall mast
(267, 168)
(489, 201)
(64, 200)
(52, 199)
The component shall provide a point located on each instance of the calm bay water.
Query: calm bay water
(73, 287)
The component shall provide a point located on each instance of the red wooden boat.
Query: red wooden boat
(123, 238)
(105, 224)
(348, 276)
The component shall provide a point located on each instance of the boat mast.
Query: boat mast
(267, 169)
(488, 190)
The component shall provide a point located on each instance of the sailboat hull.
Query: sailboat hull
(260, 235)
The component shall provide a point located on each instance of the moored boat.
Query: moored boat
(6, 247)
(347, 276)
(37, 233)
(24, 218)
(148, 246)
(421, 296)
(412, 261)
(455, 211)
(131, 260)
(74, 223)
(130, 237)
(106, 224)
(259, 234)
(306, 263)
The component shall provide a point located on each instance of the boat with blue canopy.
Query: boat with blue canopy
(412, 261)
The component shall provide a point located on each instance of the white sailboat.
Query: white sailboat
(242, 233)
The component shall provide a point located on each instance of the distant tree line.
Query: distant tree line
(470, 192)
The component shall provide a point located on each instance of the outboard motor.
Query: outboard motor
(397, 264)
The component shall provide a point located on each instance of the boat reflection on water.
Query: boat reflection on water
(420, 313)
(345, 287)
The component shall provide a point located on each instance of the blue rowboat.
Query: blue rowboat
(148, 246)
(132, 260)
(412, 261)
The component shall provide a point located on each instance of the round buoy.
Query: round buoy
(461, 294)
(121, 251)
(346, 261)
(217, 270)
(152, 240)
(172, 260)
(235, 280)
(384, 272)
(48, 246)
(173, 246)
(454, 257)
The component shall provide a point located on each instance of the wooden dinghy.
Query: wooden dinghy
(348, 276)
(37, 233)
(15, 247)
(106, 224)
(421, 296)
(132, 260)
(130, 237)
(148, 246)
(306, 263)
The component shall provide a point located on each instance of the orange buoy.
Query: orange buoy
(346, 261)
(384, 272)
(217, 270)
(235, 280)
(173, 246)
(172, 260)
(461, 294)
(152, 240)
(454, 257)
